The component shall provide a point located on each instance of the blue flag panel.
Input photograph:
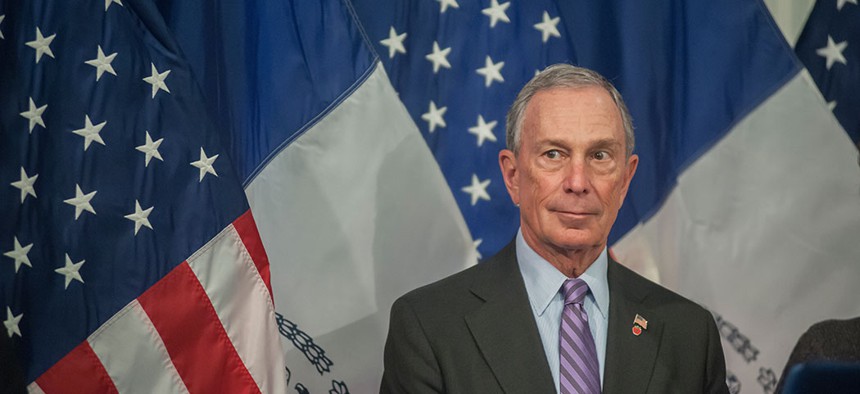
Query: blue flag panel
(269, 69)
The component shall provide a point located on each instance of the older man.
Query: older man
(552, 312)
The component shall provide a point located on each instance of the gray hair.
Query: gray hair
(566, 76)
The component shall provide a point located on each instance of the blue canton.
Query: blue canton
(830, 49)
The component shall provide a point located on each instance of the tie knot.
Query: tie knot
(574, 291)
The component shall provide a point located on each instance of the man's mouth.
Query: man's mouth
(574, 214)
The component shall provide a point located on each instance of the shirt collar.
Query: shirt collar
(543, 280)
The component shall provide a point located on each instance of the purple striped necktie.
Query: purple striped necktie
(579, 371)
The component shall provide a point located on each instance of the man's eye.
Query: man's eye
(553, 154)
(601, 155)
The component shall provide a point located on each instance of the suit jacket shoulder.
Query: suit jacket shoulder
(629, 286)
(829, 340)
(676, 348)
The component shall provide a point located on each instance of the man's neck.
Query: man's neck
(570, 262)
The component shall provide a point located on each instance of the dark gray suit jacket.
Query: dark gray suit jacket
(474, 332)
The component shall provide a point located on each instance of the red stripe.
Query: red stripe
(247, 229)
(80, 371)
(196, 341)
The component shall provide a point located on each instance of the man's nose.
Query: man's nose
(576, 179)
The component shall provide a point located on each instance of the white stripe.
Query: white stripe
(134, 355)
(34, 388)
(353, 214)
(241, 300)
(763, 228)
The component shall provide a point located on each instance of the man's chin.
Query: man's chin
(578, 240)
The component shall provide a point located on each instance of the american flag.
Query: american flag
(131, 261)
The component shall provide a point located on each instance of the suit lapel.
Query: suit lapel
(505, 331)
(629, 358)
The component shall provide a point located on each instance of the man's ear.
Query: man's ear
(510, 173)
(629, 171)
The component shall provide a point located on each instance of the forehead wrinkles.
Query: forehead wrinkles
(564, 113)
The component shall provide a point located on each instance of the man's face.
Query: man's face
(571, 174)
